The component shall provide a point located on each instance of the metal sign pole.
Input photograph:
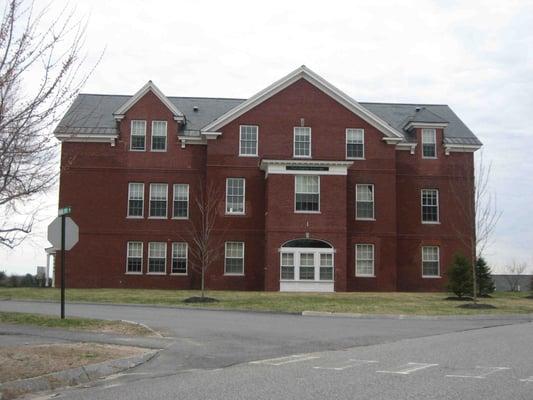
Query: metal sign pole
(63, 266)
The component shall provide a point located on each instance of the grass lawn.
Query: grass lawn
(354, 302)
(74, 323)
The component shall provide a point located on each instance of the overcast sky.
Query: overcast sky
(476, 56)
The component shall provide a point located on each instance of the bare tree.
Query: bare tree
(480, 209)
(40, 75)
(207, 246)
(514, 273)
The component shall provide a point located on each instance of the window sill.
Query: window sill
(134, 217)
(158, 151)
(365, 276)
(157, 217)
(138, 150)
(226, 274)
(306, 280)
(248, 155)
(156, 273)
(301, 156)
(235, 214)
(180, 218)
(430, 158)
(133, 273)
(179, 273)
(307, 212)
(430, 222)
(356, 158)
(365, 219)
(431, 277)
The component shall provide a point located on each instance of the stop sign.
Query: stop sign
(72, 233)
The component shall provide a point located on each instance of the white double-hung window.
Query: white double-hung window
(302, 141)
(307, 193)
(364, 260)
(355, 143)
(430, 206)
(135, 200)
(158, 200)
(157, 257)
(234, 258)
(134, 263)
(364, 200)
(430, 262)
(248, 140)
(179, 258)
(235, 192)
(138, 135)
(429, 143)
(181, 201)
(159, 135)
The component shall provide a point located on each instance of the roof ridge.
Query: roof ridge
(170, 97)
(402, 104)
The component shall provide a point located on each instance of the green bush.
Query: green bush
(460, 276)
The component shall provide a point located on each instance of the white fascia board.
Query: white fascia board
(149, 86)
(461, 148)
(185, 139)
(317, 81)
(407, 146)
(88, 138)
(426, 125)
(210, 135)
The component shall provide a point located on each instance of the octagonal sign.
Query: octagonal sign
(72, 233)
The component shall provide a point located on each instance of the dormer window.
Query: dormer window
(429, 143)
(138, 135)
(302, 142)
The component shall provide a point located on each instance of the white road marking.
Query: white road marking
(351, 364)
(486, 371)
(530, 379)
(286, 360)
(408, 368)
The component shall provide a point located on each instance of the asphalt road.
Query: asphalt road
(220, 355)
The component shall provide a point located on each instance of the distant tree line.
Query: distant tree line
(27, 280)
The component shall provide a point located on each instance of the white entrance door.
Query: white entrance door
(306, 270)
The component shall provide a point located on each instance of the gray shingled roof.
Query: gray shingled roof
(93, 114)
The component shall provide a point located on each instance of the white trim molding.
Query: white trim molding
(305, 167)
(304, 73)
(185, 140)
(87, 138)
(149, 86)
(436, 125)
(460, 148)
(411, 147)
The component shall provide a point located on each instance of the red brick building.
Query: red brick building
(318, 191)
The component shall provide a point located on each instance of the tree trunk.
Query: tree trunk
(203, 281)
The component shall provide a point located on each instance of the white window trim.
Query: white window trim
(243, 212)
(373, 202)
(186, 258)
(438, 276)
(373, 275)
(296, 252)
(152, 137)
(243, 263)
(256, 141)
(127, 256)
(174, 199)
(131, 134)
(294, 142)
(150, 201)
(148, 261)
(307, 212)
(346, 144)
(129, 194)
(422, 208)
(434, 132)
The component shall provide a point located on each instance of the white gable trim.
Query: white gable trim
(150, 86)
(317, 81)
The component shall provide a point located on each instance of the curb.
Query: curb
(71, 377)
(154, 332)
(521, 317)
